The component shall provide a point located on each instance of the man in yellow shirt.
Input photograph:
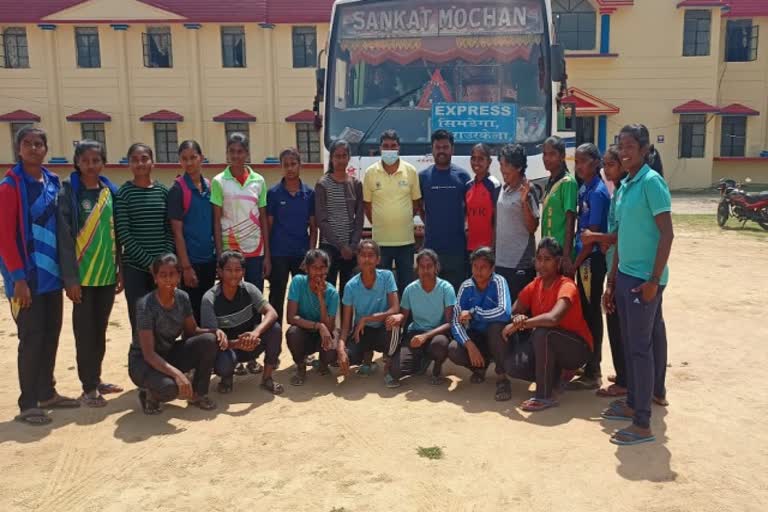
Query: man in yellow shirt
(391, 195)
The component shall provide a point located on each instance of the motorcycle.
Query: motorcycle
(735, 202)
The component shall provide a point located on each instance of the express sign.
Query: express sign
(399, 19)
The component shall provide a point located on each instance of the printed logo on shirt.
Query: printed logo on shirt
(403, 183)
(87, 205)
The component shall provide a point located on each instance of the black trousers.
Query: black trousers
(517, 279)
(282, 268)
(340, 269)
(197, 353)
(491, 346)
(39, 327)
(89, 323)
(556, 350)
(138, 283)
(409, 360)
(303, 343)
(590, 278)
(373, 339)
(206, 277)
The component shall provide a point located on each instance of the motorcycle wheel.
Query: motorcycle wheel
(763, 221)
(723, 211)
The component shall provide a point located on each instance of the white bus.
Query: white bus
(486, 70)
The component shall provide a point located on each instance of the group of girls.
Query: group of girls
(520, 308)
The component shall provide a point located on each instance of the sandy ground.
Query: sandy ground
(352, 446)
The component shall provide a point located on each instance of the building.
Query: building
(694, 71)
(159, 71)
(122, 71)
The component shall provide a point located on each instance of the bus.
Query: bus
(485, 70)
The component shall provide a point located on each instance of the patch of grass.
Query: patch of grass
(431, 452)
(707, 222)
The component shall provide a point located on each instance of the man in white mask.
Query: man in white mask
(391, 195)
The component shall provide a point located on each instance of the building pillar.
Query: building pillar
(124, 86)
(602, 133)
(57, 128)
(605, 33)
(271, 91)
(195, 65)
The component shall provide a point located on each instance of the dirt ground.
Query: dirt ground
(352, 446)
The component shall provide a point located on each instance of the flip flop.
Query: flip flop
(660, 401)
(298, 380)
(538, 404)
(583, 383)
(631, 438)
(106, 388)
(60, 402)
(615, 413)
(240, 370)
(203, 403)
(92, 401)
(611, 391)
(254, 367)
(34, 416)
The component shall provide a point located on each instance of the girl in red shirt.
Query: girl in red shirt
(551, 307)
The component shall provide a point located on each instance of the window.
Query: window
(308, 142)
(575, 24)
(696, 33)
(230, 128)
(304, 47)
(166, 143)
(15, 48)
(741, 41)
(233, 47)
(585, 130)
(158, 52)
(15, 127)
(87, 43)
(693, 135)
(93, 131)
(734, 136)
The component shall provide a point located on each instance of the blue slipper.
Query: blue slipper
(633, 438)
(614, 413)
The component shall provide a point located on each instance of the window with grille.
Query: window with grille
(733, 139)
(696, 33)
(304, 47)
(693, 135)
(158, 50)
(87, 44)
(585, 130)
(166, 142)
(308, 142)
(741, 38)
(233, 47)
(94, 131)
(15, 48)
(575, 24)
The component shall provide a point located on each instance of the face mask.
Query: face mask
(389, 156)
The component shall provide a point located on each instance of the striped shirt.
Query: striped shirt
(337, 212)
(142, 224)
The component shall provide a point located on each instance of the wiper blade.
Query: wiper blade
(382, 111)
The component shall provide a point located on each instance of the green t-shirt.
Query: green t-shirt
(561, 198)
(95, 243)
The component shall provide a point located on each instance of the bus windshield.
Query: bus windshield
(474, 67)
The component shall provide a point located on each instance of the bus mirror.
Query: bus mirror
(320, 81)
(557, 63)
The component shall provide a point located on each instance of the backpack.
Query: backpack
(186, 192)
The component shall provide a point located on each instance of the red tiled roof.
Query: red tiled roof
(737, 109)
(695, 107)
(163, 116)
(89, 115)
(587, 104)
(746, 8)
(235, 116)
(304, 116)
(19, 116)
(253, 11)
(701, 3)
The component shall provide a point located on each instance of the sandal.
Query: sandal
(478, 377)
(273, 387)
(616, 412)
(298, 379)
(582, 383)
(105, 388)
(203, 402)
(60, 402)
(503, 391)
(437, 380)
(366, 370)
(240, 370)
(538, 404)
(254, 367)
(226, 384)
(323, 370)
(660, 401)
(149, 405)
(34, 416)
(310, 360)
(612, 391)
(92, 401)
(391, 382)
(628, 438)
